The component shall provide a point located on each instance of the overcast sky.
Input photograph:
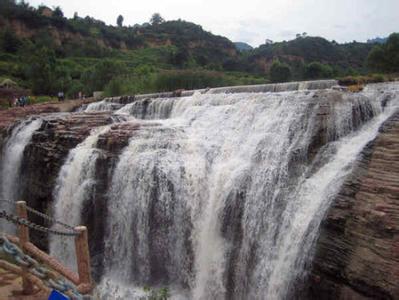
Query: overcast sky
(253, 21)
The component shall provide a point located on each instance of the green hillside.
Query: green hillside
(45, 52)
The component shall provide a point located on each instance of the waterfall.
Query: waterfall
(11, 160)
(104, 105)
(220, 196)
(75, 184)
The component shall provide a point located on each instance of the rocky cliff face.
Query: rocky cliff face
(12, 115)
(44, 157)
(357, 254)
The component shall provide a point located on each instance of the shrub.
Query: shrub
(9, 41)
(97, 77)
(316, 70)
(361, 80)
(280, 72)
(376, 59)
(385, 57)
(114, 87)
(189, 80)
(74, 88)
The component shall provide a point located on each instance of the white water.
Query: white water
(10, 162)
(103, 105)
(75, 184)
(220, 198)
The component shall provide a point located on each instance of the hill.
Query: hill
(243, 46)
(377, 40)
(45, 52)
(344, 59)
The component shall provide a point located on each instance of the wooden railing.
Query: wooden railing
(82, 279)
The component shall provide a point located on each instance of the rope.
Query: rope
(48, 218)
(42, 215)
(21, 221)
(15, 255)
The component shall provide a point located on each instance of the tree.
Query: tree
(279, 72)
(392, 52)
(103, 72)
(181, 57)
(156, 19)
(114, 87)
(316, 70)
(376, 59)
(385, 58)
(41, 71)
(58, 12)
(9, 41)
(119, 21)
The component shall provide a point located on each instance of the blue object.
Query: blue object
(55, 295)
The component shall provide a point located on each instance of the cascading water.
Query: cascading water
(220, 195)
(75, 183)
(10, 162)
(103, 105)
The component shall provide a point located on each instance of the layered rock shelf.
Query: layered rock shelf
(357, 254)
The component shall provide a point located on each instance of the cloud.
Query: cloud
(287, 33)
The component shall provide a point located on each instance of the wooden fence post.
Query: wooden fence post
(83, 255)
(23, 234)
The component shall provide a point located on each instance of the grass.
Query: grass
(365, 79)
(41, 99)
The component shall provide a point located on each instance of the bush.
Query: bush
(145, 80)
(9, 42)
(361, 80)
(114, 87)
(101, 74)
(189, 80)
(385, 58)
(376, 59)
(316, 70)
(74, 88)
(280, 72)
(41, 71)
(131, 85)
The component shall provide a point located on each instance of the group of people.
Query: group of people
(21, 101)
(24, 100)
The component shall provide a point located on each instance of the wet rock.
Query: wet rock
(357, 254)
(44, 156)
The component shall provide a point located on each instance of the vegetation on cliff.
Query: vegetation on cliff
(45, 52)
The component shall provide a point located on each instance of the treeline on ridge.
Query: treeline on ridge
(45, 52)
